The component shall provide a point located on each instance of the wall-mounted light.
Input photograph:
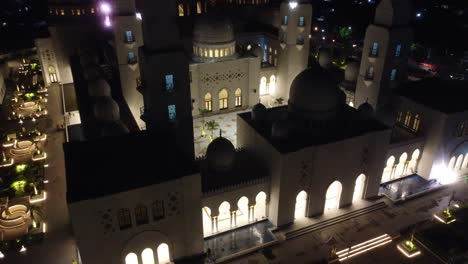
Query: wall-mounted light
(138, 16)
(292, 5)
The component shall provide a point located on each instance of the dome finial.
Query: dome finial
(220, 133)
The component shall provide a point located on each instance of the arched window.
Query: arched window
(272, 85)
(221, 53)
(359, 187)
(158, 210)
(224, 217)
(243, 212)
(301, 204)
(147, 256)
(216, 53)
(387, 173)
(131, 258)
(416, 122)
(141, 214)
(124, 218)
(199, 7)
(400, 168)
(465, 162)
(458, 164)
(163, 254)
(333, 195)
(207, 221)
(407, 118)
(210, 52)
(181, 9)
(412, 165)
(52, 74)
(451, 164)
(238, 97)
(223, 99)
(263, 86)
(260, 206)
(208, 102)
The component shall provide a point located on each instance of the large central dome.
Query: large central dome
(213, 38)
(213, 29)
(315, 94)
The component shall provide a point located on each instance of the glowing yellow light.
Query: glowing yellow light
(408, 255)
(363, 247)
(40, 199)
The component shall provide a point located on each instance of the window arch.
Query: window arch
(238, 94)
(243, 212)
(465, 162)
(272, 84)
(263, 86)
(359, 187)
(333, 195)
(181, 9)
(223, 99)
(412, 165)
(141, 214)
(208, 227)
(416, 122)
(147, 256)
(260, 206)
(451, 164)
(301, 204)
(199, 7)
(124, 218)
(407, 118)
(400, 168)
(224, 218)
(163, 254)
(388, 170)
(459, 161)
(208, 102)
(131, 258)
(158, 210)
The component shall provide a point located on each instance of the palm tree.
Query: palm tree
(211, 126)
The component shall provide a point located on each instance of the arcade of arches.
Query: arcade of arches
(148, 256)
(267, 86)
(332, 196)
(229, 217)
(405, 166)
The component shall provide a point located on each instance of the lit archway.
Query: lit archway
(147, 256)
(263, 86)
(451, 164)
(458, 163)
(400, 168)
(332, 197)
(465, 162)
(223, 99)
(224, 217)
(272, 85)
(207, 221)
(387, 172)
(260, 206)
(413, 163)
(301, 205)
(359, 187)
(208, 102)
(243, 213)
(131, 258)
(238, 94)
(163, 254)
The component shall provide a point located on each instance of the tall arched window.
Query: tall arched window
(223, 99)
(333, 195)
(387, 173)
(141, 214)
(199, 7)
(451, 164)
(263, 86)
(208, 102)
(238, 97)
(272, 85)
(131, 258)
(243, 212)
(412, 165)
(260, 206)
(407, 118)
(416, 122)
(458, 163)
(158, 210)
(163, 254)
(301, 204)
(124, 218)
(147, 256)
(181, 9)
(401, 167)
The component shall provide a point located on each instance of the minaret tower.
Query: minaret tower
(164, 69)
(385, 53)
(296, 17)
(127, 39)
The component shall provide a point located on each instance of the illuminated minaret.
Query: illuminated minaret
(294, 32)
(384, 59)
(164, 68)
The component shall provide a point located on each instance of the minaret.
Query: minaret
(164, 68)
(128, 38)
(294, 33)
(385, 53)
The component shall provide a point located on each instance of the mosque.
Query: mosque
(141, 196)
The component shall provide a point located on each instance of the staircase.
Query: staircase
(334, 220)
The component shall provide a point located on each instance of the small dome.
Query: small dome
(220, 154)
(259, 112)
(281, 129)
(257, 51)
(366, 109)
(314, 91)
(98, 87)
(106, 110)
(351, 72)
(213, 29)
(91, 72)
(324, 58)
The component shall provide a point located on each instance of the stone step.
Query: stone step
(335, 220)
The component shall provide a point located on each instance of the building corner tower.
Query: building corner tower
(294, 30)
(128, 38)
(164, 69)
(385, 53)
